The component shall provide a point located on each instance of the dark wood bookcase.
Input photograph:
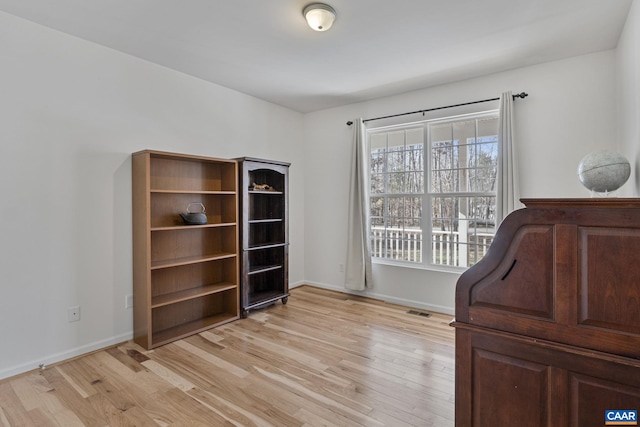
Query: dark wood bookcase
(264, 230)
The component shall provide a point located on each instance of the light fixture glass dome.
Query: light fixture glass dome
(319, 16)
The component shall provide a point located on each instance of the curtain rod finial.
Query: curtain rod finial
(349, 123)
(521, 95)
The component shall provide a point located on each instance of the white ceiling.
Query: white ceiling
(375, 48)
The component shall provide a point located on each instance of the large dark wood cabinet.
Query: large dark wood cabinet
(264, 207)
(548, 323)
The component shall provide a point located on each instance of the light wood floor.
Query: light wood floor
(324, 359)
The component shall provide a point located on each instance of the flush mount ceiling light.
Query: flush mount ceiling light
(319, 16)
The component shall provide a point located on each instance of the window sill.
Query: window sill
(435, 268)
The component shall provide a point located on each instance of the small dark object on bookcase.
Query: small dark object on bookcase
(194, 218)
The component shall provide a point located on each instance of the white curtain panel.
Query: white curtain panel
(508, 182)
(358, 266)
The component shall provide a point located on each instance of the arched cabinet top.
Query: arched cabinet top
(564, 270)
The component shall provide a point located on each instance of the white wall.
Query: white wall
(628, 89)
(570, 111)
(71, 113)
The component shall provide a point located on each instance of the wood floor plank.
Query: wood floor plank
(4, 421)
(67, 418)
(28, 393)
(191, 369)
(114, 417)
(168, 375)
(14, 412)
(324, 359)
(73, 398)
(212, 360)
(231, 409)
(337, 407)
(44, 419)
(127, 358)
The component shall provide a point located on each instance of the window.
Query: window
(433, 190)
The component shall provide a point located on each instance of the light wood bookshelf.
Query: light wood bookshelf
(185, 277)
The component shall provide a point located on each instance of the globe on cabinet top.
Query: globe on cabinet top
(603, 171)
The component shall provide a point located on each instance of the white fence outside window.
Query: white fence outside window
(454, 249)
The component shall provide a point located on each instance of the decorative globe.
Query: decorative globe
(603, 171)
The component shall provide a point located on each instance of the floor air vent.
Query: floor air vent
(419, 313)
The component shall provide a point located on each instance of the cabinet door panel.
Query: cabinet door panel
(524, 284)
(591, 397)
(609, 288)
(509, 391)
(507, 379)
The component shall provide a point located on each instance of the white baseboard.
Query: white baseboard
(65, 355)
(296, 284)
(387, 298)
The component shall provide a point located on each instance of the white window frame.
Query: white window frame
(427, 195)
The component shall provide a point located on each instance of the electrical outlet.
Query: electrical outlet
(128, 301)
(73, 314)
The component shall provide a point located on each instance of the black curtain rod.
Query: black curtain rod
(518, 95)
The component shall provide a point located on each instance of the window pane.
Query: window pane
(463, 229)
(394, 207)
(396, 182)
(488, 126)
(464, 131)
(395, 161)
(413, 208)
(377, 161)
(393, 244)
(467, 162)
(414, 136)
(403, 243)
(444, 208)
(444, 181)
(377, 237)
(377, 183)
(441, 132)
(483, 164)
(377, 221)
(415, 158)
(415, 182)
(395, 140)
(458, 157)
(377, 206)
(446, 175)
(378, 141)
